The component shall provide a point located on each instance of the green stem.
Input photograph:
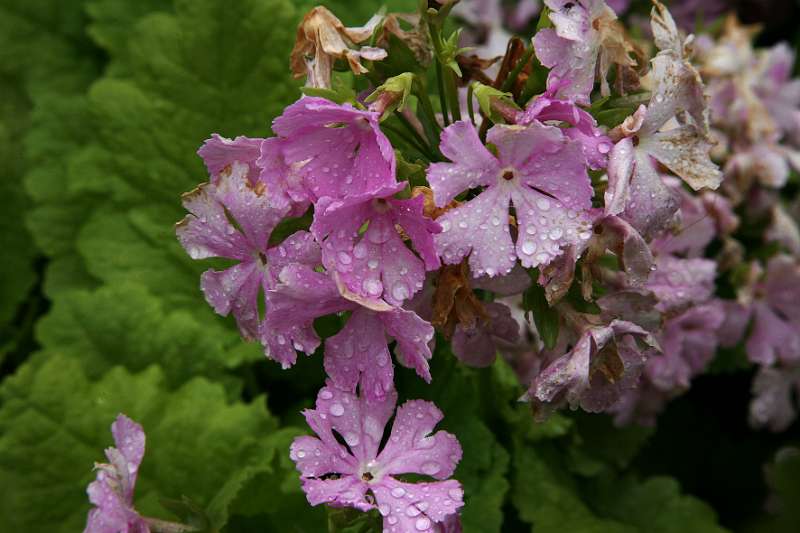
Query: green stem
(414, 133)
(432, 130)
(442, 96)
(408, 139)
(470, 107)
(452, 95)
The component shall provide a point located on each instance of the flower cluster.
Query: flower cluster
(584, 223)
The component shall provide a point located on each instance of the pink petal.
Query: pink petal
(346, 491)
(342, 149)
(416, 507)
(679, 283)
(219, 152)
(472, 165)
(236, 289)
(359, 355)
(413, 336)
(479, 226)
(412, 448)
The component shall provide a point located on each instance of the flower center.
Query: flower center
(380, 205)
(370, 472)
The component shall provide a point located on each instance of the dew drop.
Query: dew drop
(422, 524)
(337, 409)
(400, 291)
(326, 395)
(430, 468)
(344, 258)
(398, 492)
(543, 204)
(528, 247)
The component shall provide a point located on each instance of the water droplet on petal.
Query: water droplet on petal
(528, 247)
(337, 409)
(430, 468)
(422, 524)
(398, 492)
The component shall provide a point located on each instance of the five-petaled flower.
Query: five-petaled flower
(345, 465)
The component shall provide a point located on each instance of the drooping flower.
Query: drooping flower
(477, 346)
(606, 361)
(688, 343)
(775, 312)
(375, 263)
(700, 219)
(359, 353)
(545, 108)
(538, 169)
(679, 283)
(322, 38)
(326, 149)
(775, 393)
(233, 219)
(362, 473)
(112, 492)
(587, 38)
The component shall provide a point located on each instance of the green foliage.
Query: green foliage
(54, 423)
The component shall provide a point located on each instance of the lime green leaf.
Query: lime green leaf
(127, 325)
(54, 422)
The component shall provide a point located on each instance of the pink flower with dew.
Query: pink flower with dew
(356, 356)
(361, 474)
(537, 169)
(362, 245)
(326, 149)
(233, 219)
(112, 492)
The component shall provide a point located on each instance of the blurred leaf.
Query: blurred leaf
(54, 422)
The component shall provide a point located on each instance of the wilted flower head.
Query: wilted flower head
(586, 39)
(605, 361)
(322, 39)
(112, 492)
(362, 474)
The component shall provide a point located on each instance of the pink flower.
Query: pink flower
(232, 218)
(112, 492)
(775, 312)
(359, 353)
(375, 263)
(361, 474)
(538, 169)
(775, 392)
(679, 283)
(688, 343)
(477, 346)
(326, 149)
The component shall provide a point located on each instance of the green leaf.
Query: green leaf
(127, 325)
(54, 423)
(534, 302)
